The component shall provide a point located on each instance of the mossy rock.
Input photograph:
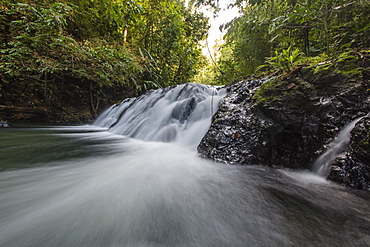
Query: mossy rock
(282, 91)
(288, 120)
(348, 68)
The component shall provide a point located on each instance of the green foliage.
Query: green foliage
(95, 49)
(108, 18)
(169, 32)
(267, 27)
(285, 60)
(40, 46)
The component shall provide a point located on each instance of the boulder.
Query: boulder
(288, 121)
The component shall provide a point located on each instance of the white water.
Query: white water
(181, 114)
(322, 165)
(162, 194)
(85, 186)
(155, 193)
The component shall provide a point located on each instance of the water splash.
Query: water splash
(101, 189)
(179, 114)
(323, 164)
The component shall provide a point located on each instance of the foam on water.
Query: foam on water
(322, 165)
(180, 114)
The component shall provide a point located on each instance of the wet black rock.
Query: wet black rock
(288, 122)
(257, 131)
(353, 167)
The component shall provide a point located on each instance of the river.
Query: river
(134, 178)
(84, 186)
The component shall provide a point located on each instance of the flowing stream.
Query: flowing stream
(323, 164)
(180, 114)
(110, 185)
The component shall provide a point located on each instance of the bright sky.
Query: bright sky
(224, 16)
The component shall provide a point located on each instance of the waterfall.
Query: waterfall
(179, 114)
(323, 164)
(81, 186)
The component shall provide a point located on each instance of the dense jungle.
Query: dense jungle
(66, 61)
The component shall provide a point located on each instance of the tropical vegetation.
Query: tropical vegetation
(87, 54)
(280, 35)
(66, 53)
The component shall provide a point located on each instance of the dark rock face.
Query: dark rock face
(288, 122)
(353, 167)
(238, 135)
(270, 133)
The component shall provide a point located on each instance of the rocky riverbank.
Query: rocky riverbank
(288, 121)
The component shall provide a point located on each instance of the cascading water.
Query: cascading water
(323, 164)
(86, 186)
(179, 114)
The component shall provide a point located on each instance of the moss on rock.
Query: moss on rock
(288, 120)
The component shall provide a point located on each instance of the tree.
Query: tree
(91, 52)
(267, 28)
(168, 33)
